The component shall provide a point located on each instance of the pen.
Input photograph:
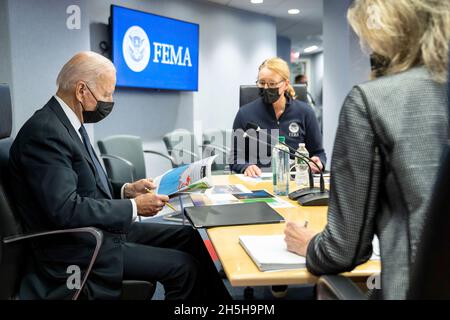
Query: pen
(167, 204)
(306, 224)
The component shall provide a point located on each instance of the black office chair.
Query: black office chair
(249, 93)
(13, 250)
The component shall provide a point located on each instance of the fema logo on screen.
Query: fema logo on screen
(136, 49)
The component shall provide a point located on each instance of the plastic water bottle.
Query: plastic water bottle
(280, 168)
(302, 168)
(227, 169)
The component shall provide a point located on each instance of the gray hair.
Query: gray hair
(84, 66)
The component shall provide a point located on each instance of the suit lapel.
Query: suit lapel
(53, 104)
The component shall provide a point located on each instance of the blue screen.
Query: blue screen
(150, 51)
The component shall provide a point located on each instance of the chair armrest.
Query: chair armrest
(170, 158)
(96, 233)
(196, 157)
(222, 149)
(338, 288)
(123, 160)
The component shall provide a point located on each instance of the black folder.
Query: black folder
(232, 215)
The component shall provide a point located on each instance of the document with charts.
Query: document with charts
(270, 253)
(186, 178)
(244, 195)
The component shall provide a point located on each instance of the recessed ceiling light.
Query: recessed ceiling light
(311, 49)
(256, 1)
(293, 11)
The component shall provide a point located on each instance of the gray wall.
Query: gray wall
(345, 65)
(5, 51)
(40, 44)
(284, 46)
(315, 79)
(317, 69)
(145, 113)
(232, 45)
(5, 44)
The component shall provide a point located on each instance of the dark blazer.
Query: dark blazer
(386, 157)
(55, 186)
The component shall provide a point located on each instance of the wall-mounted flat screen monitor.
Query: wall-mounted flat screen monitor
(151, 51)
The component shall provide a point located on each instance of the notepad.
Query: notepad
(270, 253)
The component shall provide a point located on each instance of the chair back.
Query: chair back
(182, 145)
(221, 139)
(126, 147)
(11, 255)
(249, 93)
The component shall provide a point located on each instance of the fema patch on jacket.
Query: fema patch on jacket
(294, 129)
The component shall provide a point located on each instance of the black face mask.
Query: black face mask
(269, 95)
(378, 64)
(102, 110)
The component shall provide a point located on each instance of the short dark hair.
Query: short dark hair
(299, 78)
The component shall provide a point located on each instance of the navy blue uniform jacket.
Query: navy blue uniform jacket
(298, 124)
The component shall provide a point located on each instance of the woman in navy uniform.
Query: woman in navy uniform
(277, 109)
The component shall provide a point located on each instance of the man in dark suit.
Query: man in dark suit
(58, 183)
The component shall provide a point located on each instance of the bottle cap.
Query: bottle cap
(282, 139)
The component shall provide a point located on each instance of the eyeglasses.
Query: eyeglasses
(270, 84)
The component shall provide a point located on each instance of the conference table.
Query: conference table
(238, 266)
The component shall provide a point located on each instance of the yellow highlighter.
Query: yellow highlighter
(167, 204)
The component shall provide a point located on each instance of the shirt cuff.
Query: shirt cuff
(122, 196)
(135, 213)
(133, 202)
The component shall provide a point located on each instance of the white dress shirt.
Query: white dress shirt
(76, 124)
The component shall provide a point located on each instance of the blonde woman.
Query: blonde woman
(388, 145)
(277, 109)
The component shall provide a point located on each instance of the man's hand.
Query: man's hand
(298, 238)
(132, 190)
(318, 162)
(149, 204)
(253, 171)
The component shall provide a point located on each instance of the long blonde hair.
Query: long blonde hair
(280, 67)
(407, 33)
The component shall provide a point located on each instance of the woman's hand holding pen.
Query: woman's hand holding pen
(298, 237)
